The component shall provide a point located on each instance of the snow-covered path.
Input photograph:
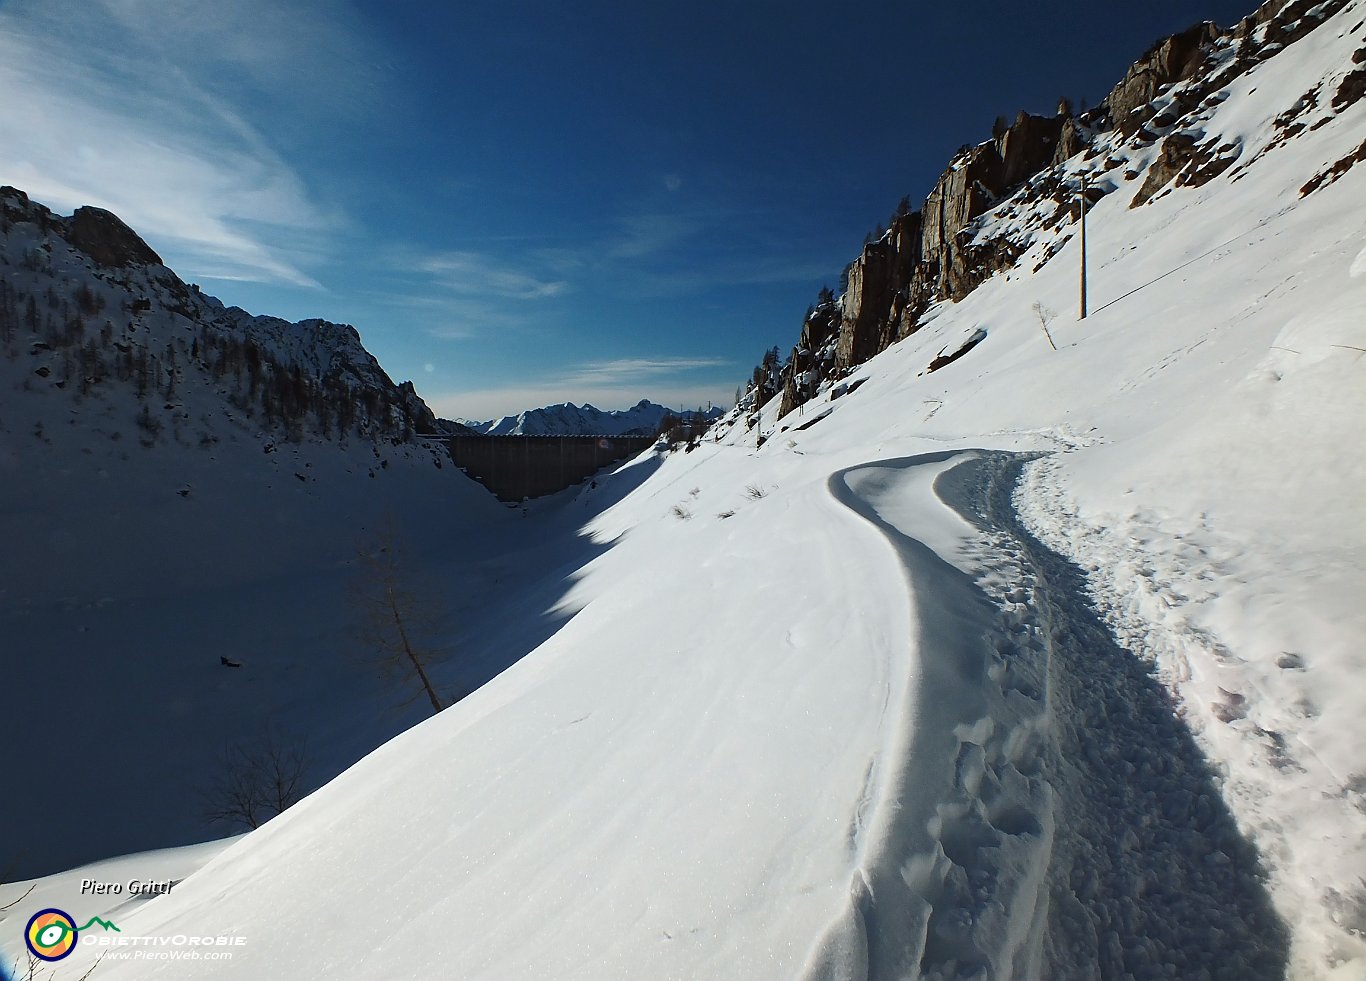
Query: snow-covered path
(952, 869)
(1031, 740)
(1149, 873)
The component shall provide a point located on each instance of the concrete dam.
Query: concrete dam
(519, 467)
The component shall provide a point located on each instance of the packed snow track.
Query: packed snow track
(1038, 810)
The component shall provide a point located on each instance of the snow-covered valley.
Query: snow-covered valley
(1044, 663)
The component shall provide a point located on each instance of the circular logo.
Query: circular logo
(50, 934)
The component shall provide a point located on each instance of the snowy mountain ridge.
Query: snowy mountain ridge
(1013, 200)
(98, 313)
(567, 419)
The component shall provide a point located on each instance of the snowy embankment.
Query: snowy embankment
(593, 811)
(944, 811)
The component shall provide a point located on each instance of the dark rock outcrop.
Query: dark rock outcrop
(1188, 163)
(1171, 60)
(811, 356)
(1328, 176)
(872, 281)
(1351, 89)
(1027, 147)
(1176, 152)
(1070, 142)
(418, 415)
(106, 239)
(14, 203)
(923, 256)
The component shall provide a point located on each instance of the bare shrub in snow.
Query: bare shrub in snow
(256, 781)
(398, 620)
(1045, 315)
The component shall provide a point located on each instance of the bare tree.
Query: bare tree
(34, 967)
(1045, 315)
(20, 899)
(398, 620)
(257, 781)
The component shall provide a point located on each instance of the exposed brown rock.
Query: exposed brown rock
(923, 256)
(102, 236)
(1175, 154)
(1326, 177)
(1209, 161)
(973, 183)
(1351, 89)
(1172, 60)
(871, 286)
(1070, 142)
(1191, 165)
(822, 324)
(960, 195)
(947, 357)
(1026, 148)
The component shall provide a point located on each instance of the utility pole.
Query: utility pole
(1083, 246)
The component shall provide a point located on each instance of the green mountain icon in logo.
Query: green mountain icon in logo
(108, 925)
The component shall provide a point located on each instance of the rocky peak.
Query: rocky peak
(14, 203)
(1071, 141)
(99, 234)
(1170, 60)
(1026, 148)
(105, 238)
(421, 418)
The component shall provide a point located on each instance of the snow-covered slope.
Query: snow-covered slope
(642, 419)
(182, 482)
(1044, 664)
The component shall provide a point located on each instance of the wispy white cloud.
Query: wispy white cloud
(742, 270)
(134, 106)
(642, 235)
(430, 311)
(641, 370)
(473, 274)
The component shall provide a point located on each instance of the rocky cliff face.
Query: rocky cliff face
(924, 257)
(940, 252)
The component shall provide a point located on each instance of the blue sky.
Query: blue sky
(520, 203)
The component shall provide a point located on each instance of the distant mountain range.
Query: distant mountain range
(568, 419)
